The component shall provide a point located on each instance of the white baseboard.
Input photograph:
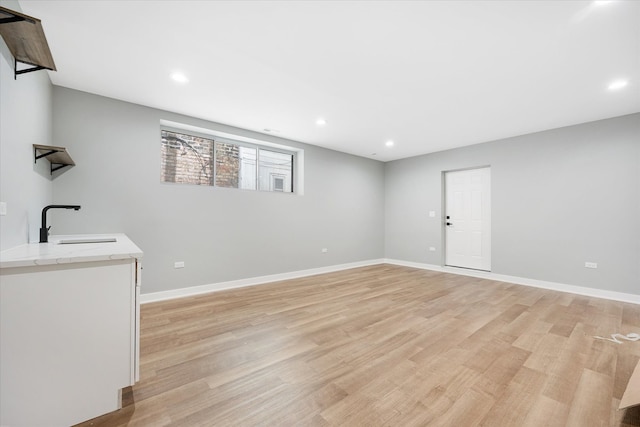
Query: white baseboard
(252, 281)
(561, 287)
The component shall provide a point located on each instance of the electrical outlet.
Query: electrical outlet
(591, 264)
(325, 250)
(178, 264)
(3, 208)
(432, 249)
(432, 214)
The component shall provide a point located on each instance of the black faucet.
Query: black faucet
(44, 230)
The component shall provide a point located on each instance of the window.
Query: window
(275, 170)
(222, 162)
(186, 159)
(235, 166)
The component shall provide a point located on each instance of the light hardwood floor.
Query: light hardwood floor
(382, 346)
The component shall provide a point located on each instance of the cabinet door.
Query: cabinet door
(66, 341)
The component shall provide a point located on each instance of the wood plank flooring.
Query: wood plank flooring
(382, 346)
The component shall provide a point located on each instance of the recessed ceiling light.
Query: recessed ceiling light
(602, 2)
(179, 77)
(389, 143)
(321, 121)
(618, 84)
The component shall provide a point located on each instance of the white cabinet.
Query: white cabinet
(68, 340)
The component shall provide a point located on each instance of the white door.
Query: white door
(468, 219)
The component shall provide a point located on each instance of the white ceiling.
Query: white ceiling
(429, 75)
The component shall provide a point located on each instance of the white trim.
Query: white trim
(241, 283)
(561, 287)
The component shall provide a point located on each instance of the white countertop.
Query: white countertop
(53, 252)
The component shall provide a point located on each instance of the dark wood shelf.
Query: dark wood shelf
(57, 156)
(26, 41)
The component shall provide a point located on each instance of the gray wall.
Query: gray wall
(559, 198)
(25, 119)
(221, 234)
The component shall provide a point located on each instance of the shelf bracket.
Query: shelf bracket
(53, 169)
(14, 18)
(48, 153)
(26, 70)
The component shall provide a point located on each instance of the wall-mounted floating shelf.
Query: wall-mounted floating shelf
(25, 38)
(57, 156)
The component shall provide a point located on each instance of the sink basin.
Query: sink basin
(89, 240)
